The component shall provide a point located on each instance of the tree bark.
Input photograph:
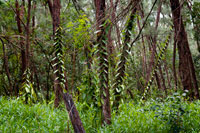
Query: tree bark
(73, 60)
(174, 63)
(123, 59)
(19, 16)
(6, 66)
(70, 106)
(54, 8)
(73, 113)
(186, 66)
(144, 62)
(155, 42)
(28, 34)
(102, 40)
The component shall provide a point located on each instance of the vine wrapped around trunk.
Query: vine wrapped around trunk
(62, 83)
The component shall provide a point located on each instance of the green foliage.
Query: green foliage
(196, 13)
(89, 92)
(171, 115)
(6, 16)
(124, 73)
(58, 59)
(17, 117)
(174, 112)
(197, 65)
(76, 40)
(1, 2)
(158, 61)
(27, 92)
(79, 31)
(120, 67)
(194, 19)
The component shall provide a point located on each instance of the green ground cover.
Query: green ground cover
(172, 115)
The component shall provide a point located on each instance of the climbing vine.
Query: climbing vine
(158, 61)
(58, 59)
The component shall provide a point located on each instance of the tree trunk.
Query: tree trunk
(121, 67)
(6, 66)
(73, 60)
(144, 62)
(186, 67)
(27, 53)
(70, 106)
(19, 16)
(55, 14)
(102, 40)
(73, 113)
(155, 42)
(174, 63)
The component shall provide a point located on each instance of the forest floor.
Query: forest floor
(174, 114)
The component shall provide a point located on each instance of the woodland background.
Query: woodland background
(118, 65)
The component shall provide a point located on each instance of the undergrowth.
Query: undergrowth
(174, 114)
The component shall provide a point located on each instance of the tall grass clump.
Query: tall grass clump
(15, 116)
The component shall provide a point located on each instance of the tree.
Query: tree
(102, 47)
(126, 46)
(186, 66)
(54, 8)
(61, 88)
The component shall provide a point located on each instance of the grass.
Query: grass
(172, 115)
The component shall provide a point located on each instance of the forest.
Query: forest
(121, 66)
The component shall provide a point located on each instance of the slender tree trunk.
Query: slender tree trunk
(6, 66)
(33, 19)
(157, 80)
(25, 45)
(73, 113)
(167, 73)
(155, 42)
(163, 80)
(110, 40)
(144, 62)
(19, 16)
(186, 66)
(35, 74)
(152, 50)
(47, 83)
(114, 21)
(70, 106)
(114, 7)
(102, 40)
(174, 63)
(88, 55)
(121, 67)
(54, 8)
(73, 60)
(28, 34)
